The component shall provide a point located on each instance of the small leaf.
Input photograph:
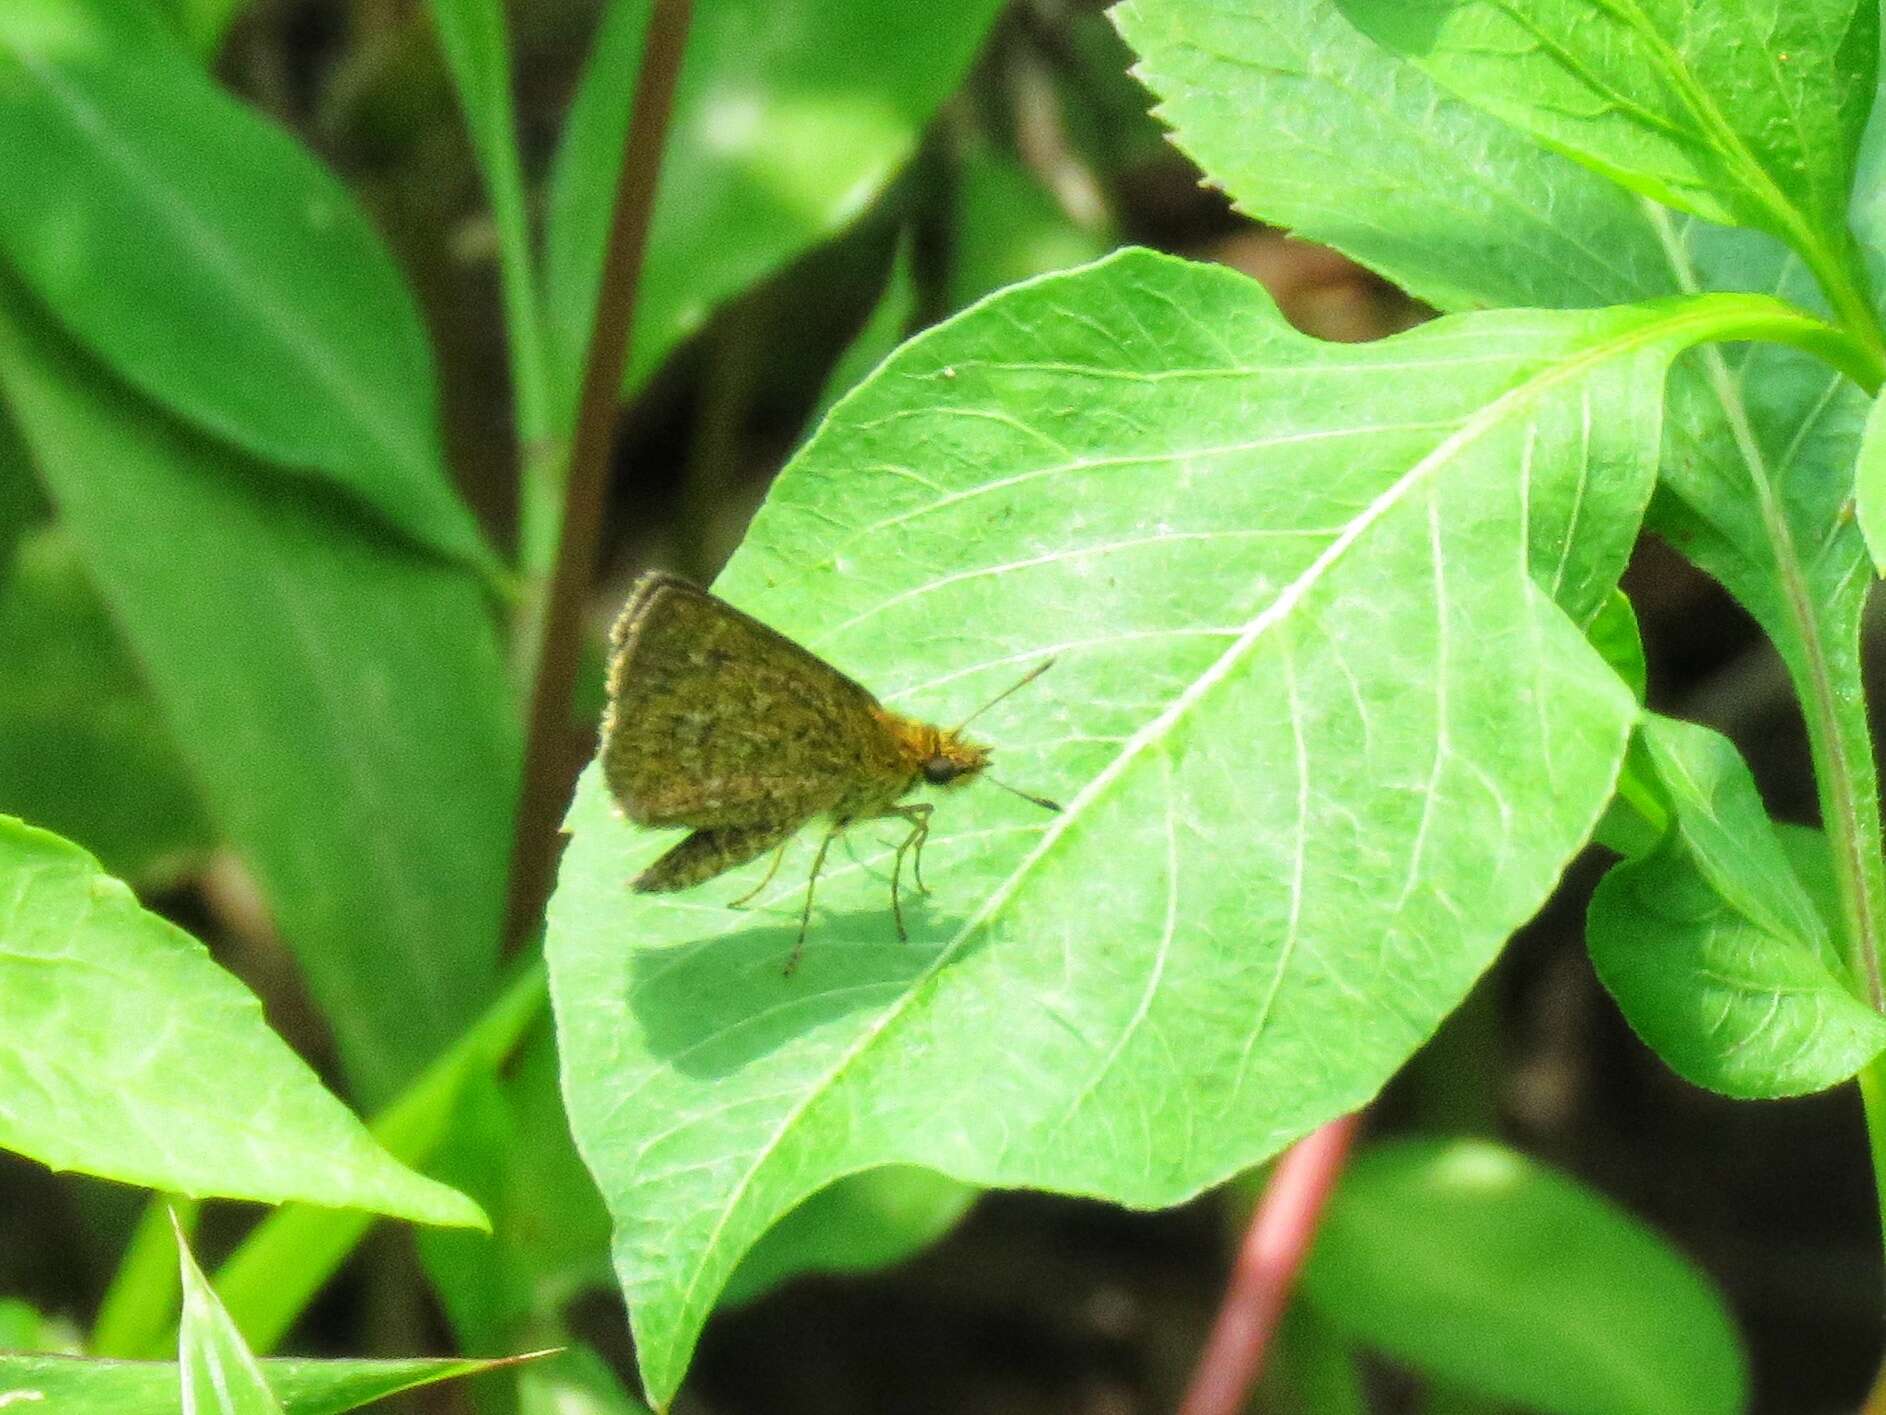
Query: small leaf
(1614, 634)
(126, 1052)
(863, 1221)
(1725, 827)
(1717, 955)
(1470, 1262)
(219, 1374)
(1749, 116)
(205, 258)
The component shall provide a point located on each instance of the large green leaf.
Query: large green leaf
(781, 133)
(1714, 950)
(219, 1374)
(1472, 1263)
(126, 1052)
(1749, 115)
(340, 699)
(1324, 743)
(209, 261)
(53, 1385)
(83, 751)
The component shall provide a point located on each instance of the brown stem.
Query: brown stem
(549, 763)
(1273, 1250)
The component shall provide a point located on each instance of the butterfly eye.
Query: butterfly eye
(939, 771)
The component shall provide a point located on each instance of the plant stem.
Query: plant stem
(548, 758)
(1273, 1250)
(140, 1307)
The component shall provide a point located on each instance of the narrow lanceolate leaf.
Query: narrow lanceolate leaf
(208, 260)
(1471, 1263)
(125, 1051)
(53, 1385)
(1324, 736)
(1715, 951)
(1750, 115)
(338, 698)
(217, 1372)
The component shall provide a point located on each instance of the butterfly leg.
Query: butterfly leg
(805, 915)
(919, 818)
(771, 870)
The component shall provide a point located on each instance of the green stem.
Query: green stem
(140, 1306)
(287, 1257)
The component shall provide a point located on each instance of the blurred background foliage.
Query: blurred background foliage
(1042, 157)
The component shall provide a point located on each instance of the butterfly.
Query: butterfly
(720, 724)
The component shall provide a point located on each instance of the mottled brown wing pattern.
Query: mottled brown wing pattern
(715, 720)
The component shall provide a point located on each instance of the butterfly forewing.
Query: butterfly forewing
(716, 720)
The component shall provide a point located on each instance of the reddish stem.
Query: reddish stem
(1268, 1260)
(549, 765)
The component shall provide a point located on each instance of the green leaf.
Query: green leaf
(340, 700)
(573, 1382)
(1717, 955)
(83, 751)
(1009, 227)
(220, 1375)
(255, 300)
(1364, 152)
(1724, 827)
(890, 320)
(1728, 1005)
(1748, 116)
(126, 1052)
(478, 50)
(862, 1222)
(52, 1385)
(204, 23)
(508, 1146)
(1869, 486)
(21, 504)
(1242, 558)
(1614, 634)
(268, 1281)
(779, 137)
(1472, 1263)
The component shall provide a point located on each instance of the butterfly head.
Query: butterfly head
(950, 760)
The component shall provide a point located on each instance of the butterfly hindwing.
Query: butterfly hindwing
(715, 720)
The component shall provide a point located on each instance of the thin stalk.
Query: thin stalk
(549, 767)
(1273, 1251)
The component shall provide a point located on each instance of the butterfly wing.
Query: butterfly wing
(716, 720)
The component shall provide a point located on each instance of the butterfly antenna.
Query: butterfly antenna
(1041, 801)
(1021, 682)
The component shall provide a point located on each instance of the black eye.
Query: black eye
(939, 771)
